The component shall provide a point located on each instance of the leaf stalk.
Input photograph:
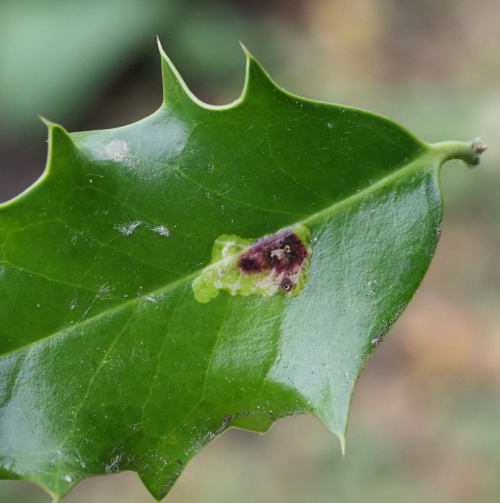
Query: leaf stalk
(469, 152)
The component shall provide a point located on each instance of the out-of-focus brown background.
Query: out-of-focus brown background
(425, 421)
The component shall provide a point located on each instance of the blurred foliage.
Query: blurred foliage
(425, 413)
(58, 57)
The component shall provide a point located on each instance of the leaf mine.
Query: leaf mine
(274, 264)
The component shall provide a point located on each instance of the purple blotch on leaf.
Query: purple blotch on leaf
(280, 254)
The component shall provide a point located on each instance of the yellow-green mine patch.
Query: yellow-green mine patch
(275, 264)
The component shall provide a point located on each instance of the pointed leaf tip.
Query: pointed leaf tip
(342, 445)
(248, 54)
(175, 90)
(48, 123)
(258, 83)
(160, 48)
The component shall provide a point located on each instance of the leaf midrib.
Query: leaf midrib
(418, 163)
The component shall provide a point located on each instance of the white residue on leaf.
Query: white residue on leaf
(114, 466)
(117, 150)
(127, 229)
(162, 230)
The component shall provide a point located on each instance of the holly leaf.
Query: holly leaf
(204, 268)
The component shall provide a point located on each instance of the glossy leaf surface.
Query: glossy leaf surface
(133, 332)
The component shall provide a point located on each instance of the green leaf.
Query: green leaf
(204, 268)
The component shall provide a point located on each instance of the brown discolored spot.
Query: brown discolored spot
(280, 253)
(250, 265)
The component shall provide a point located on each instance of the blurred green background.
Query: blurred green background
(425, 421)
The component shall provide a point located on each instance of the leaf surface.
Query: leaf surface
(204, 268)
